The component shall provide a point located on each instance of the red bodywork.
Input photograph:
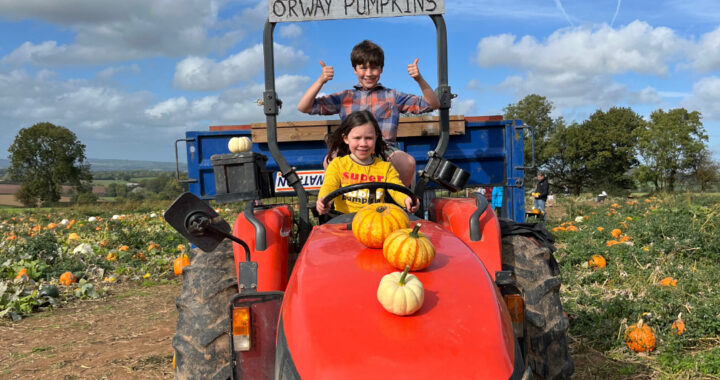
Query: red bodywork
(454, 215)
(273, 261)
(336, 328)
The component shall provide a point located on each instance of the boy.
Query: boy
(386, 104)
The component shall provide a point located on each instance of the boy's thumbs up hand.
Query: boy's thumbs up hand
(413, 69)
(327, 72)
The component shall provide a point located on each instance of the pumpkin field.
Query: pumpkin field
(625, 260)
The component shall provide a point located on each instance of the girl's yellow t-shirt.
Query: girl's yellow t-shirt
(343, 171)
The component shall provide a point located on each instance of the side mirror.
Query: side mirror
(197, 221)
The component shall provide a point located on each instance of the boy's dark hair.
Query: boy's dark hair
(337, 145)
(367, 52)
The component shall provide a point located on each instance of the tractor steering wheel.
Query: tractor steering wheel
(372, 186)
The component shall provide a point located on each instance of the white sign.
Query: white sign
(310, 179)
(309, 10)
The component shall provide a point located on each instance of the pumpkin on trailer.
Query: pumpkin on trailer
(67, 279)
(374, 222)
(180, 263)
(640, 337)
(239, 144)
(679, 325)
(597, 262)
(401, 293)
(409, 247)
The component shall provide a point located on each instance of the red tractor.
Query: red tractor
(278, 296)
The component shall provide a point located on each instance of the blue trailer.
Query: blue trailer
(489, 149)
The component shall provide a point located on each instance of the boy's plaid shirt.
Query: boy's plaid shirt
(386, 104)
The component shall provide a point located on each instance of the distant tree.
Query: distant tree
(534, 110)
(672, 143)
(706, 171)
(570, 149)
(614, 142)
(42, 159)
(596, 154)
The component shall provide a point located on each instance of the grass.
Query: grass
(659, 237)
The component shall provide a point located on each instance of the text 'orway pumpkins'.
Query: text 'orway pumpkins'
(401, 293)
(374, 222)
(409, 247)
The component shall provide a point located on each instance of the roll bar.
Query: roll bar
(272, 104)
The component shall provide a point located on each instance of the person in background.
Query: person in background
(541, 193)
(497, 199)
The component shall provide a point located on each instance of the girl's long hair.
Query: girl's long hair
(336, 144)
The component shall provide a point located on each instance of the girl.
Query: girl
(359, 146)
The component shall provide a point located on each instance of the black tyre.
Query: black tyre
(544, 344)
(201, 342)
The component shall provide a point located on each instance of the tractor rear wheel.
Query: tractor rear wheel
(201, 342)
(537, 276)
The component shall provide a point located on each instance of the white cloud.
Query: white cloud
(648, 95)
(167, 107)
(575, 66)
(290, 31)
(637, 47)
(107, 31)
(204, 74)
(706, 93)
(463, 107)
(110, 72)
(706, 56)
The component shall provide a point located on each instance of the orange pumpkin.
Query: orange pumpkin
(409, 247)
(180, 263)
(597, 262)
(67, 279)
(668, 281)
(374, 222)
(21, 272)
(640, 337)
(679, 325)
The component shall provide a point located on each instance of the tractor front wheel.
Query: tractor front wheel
(537, 276)
(201, 342)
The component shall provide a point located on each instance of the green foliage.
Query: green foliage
(596, 154)
(670, 236)
(534, 110)
(42, 159)
(672, 142)
(99, 246)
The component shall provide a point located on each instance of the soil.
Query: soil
(128, 335)
(125, 335)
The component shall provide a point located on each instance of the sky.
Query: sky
(131, 77)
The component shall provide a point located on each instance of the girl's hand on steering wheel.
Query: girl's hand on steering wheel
(410, 206)
(320, 207)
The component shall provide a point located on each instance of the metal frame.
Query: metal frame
(272, 105)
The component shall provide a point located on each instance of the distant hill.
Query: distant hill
(101, 165)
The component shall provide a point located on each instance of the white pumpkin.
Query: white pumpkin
(239, 144)
(401, 293)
